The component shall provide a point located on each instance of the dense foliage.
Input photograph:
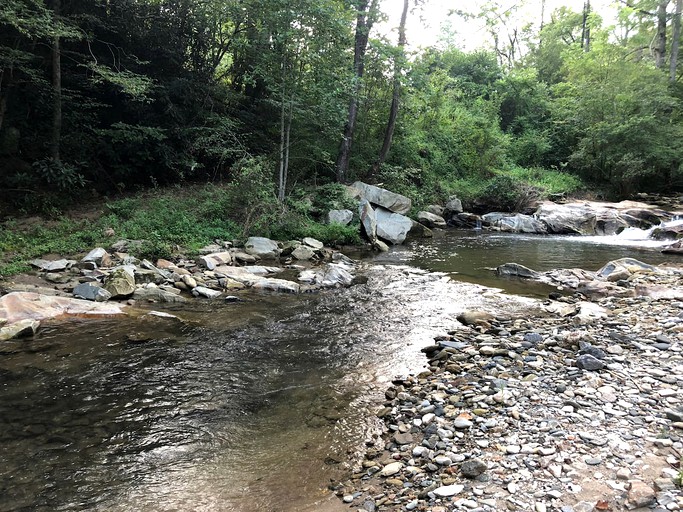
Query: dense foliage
(100, 97)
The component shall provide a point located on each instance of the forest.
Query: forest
(275, 98)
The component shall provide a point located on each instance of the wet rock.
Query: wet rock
(202, 291)
(314, 244)
(156, 294)
(19, 329)
(303, 253)
(89, 291)
(277, 285)
(515, 223)
(516, 270)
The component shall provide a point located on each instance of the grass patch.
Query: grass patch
(189, 217)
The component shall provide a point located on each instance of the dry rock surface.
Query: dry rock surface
(566, 412)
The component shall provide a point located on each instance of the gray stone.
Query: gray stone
(156, 294)
(277, 285)
(588, 362)
(203, 291)
(20, 329)
(453, 206)
(96, 256)
(473, 468)
(343, 217)
(401, 439)
(431, 220)
(264, 248)
(623, 268)
(368, 220)
(120, 283)
(392, 227)
(303, 253)
(89, 291)
(516, 270)
(515, 223)
(313, 243)
(419, 230)
(52, 266)
(381, 197)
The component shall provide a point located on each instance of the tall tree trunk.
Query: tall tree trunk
(660, 39)
(283, 143)
(367, 13)
(586, 29)
(675, 40)
(396, 95)
(56, 91)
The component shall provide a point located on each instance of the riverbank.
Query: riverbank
(578, 409)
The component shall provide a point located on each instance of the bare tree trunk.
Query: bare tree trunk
(675, 40)
(586, 29)
(367, 12)
(56, 92)
(3, 99)
(396, 96)
(281, 173)
(660, 45)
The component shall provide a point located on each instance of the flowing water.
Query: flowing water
(252, 406)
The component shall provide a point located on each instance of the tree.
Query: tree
(367, 13)
(675, 40)
(399, 60)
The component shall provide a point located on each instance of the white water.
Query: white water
(633, 237)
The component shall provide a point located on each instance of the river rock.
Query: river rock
(314, 244)
(391, 469)
(623, 269)
(675, 248)
(98, 256)
(452, 207)
(368, 219)
(277, 285)
(431, 220)
(52, 265)
(377, 196)
(303, 253)
(157, 294)
(343, 217)
(392, 227)
(120, 283)
(18, 306)
(473, 468)
(589, 362)
(264, 248)
(90, 291)
(215, 259)
(516, 270)
(203, 291)
(515, 224)
(477, 318)
(419, 230)
(20, 329)
(435, 209)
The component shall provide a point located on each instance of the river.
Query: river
(250, 406)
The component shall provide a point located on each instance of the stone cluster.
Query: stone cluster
(563, 412)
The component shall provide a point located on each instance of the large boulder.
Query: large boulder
(673, 231)
(567, 218)
(381, 197)
(120, 283)
(609, 222)
(303, 253)
(419, 231)
(623, 269)
(465, 221)
(98, 256)
(18, 306)
(676, 248)
(392, 227)
(516, 270)
(368, 219)
(453, 207)
(431, 220)
(515, 223)
(264, 248)
(343, 217)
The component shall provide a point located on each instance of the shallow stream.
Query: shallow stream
(252, 406)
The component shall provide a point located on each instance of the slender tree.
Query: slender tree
(660, 38)
(56, 137)
(675, 40)
(366, 16)
(396, 93)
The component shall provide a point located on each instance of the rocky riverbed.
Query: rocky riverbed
(576, 409)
